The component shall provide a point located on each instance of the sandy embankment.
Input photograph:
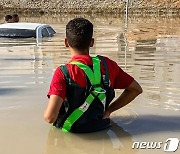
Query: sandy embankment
(93, 6)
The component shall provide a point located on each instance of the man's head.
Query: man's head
(15, 18)
(8, 18)
(79, 32)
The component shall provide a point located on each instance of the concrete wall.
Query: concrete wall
(116, 6)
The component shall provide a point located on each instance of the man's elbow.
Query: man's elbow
(135, 87)
(139, 90)
(49, 119)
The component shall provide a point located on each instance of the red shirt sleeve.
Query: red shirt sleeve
(58, 84)
(123, 80)
(119, 79)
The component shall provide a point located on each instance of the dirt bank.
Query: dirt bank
(94, 6)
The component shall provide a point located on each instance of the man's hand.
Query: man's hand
(52, 110)
(106, 114)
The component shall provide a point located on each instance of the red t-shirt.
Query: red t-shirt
(118, 78)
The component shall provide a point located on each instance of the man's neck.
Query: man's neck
(75, 52)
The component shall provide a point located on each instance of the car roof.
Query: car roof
(22, 25)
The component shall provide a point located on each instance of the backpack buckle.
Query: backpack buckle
(102, 91)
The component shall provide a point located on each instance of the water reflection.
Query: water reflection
(112, 140)
(25, 61)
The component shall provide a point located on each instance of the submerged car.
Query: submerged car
(26, 30)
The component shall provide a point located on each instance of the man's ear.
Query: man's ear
(92, 42)
(66, 42)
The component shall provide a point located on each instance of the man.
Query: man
(82, 90)
(15, 18)
(8, 19)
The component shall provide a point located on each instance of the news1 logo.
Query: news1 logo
(170, 145)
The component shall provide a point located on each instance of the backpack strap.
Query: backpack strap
(65, 71)
(70, 81)
(97, 91)
(106, 79)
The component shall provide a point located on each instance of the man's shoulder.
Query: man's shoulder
(109, 61)
(59, 72)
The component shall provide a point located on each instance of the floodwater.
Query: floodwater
(148, 48)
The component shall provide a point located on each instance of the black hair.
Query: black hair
(15, 17)
(7, 17)
(79, 32)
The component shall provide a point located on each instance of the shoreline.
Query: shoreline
(131, 15)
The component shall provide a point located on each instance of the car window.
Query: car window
(17, 33)
(45, 33)
(51, 31)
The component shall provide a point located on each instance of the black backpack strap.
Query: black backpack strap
(66, 73)
(106, 79)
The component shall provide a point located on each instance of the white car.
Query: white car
(26, 30)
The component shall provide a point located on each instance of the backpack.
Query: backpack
(83, 109)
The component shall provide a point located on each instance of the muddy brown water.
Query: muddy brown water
(146, 48)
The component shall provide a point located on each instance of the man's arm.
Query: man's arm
(129, 94)
(52, 110)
